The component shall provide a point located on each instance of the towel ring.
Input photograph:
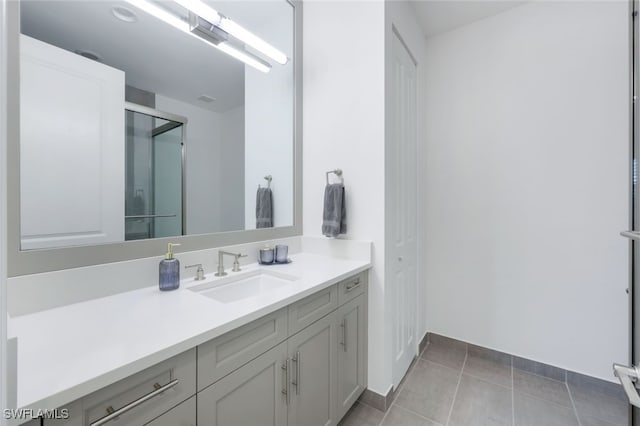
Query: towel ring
(337, 172)
(268, 178)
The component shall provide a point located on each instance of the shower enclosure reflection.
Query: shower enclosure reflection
(154, 174)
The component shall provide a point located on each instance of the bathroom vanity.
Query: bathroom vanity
(271, 345)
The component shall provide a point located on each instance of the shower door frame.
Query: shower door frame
(129, 106)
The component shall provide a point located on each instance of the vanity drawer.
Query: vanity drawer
(312, 308)
(142, 392)
(351, 288)
(182, 415)
(224, 354)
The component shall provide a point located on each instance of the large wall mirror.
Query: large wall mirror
(142, 121)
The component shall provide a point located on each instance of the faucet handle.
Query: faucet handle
(199, 272)
(236, 263)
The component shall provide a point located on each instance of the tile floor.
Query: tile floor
(449, 385)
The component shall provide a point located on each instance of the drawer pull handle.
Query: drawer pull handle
(113, 414)
(296, 359)
(353, 285)
(343, 325)
(285, 391)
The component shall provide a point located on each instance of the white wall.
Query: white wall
(232, 170)
(527, 183)
(343, 115)
(269, 119)
(203, 175)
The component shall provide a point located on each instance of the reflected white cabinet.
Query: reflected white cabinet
(72, 137)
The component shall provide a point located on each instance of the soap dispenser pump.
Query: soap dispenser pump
(169, 270)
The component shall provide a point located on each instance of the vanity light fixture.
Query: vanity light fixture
(176, 22)
(232, 28)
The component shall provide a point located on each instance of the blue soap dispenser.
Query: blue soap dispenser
(169, 270)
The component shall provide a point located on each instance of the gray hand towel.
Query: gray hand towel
(334, 217)
(264, 208)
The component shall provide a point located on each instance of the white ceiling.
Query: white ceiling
(154, 56)
(438, 16)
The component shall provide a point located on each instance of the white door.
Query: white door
(71, 148)
(401, 154)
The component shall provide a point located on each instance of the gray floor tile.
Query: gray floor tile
(487, 369)
(603, 407)
(530, 411)
(541, 387)
(448, 356)
(362, 415)
(480, 403)
(429, 390)
(398, 416)
(593, 421)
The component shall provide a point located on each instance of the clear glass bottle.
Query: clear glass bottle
(169, 272)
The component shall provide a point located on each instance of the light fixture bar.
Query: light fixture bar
(253, 40)
(183, 26)
(247, 37)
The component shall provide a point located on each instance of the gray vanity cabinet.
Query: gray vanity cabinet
(310, 379)
(303, 365)
(252, 395)
(351, 354)
(182, 415)
(313, 374)
(141, 398)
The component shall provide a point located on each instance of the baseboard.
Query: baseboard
(376, 400)
(383, 402)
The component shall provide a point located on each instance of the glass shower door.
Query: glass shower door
(154, 177)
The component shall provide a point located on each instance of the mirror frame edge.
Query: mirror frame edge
(25, 262)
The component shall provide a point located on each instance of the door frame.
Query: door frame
(141, 109)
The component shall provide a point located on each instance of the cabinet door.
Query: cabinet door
(182, 415)
(250, 396)
(224, 354)
(312, 380)
(352, 337)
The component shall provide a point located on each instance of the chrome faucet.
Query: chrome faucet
(236, 262)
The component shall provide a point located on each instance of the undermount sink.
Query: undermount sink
(244, 286)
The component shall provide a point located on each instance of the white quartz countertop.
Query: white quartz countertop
(68, 352)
